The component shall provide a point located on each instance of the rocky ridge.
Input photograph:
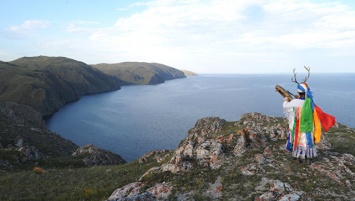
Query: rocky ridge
(246, 160)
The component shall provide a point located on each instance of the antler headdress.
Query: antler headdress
(294, 79)
(303, 86)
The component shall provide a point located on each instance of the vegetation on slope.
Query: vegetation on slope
(47, 83)
(69, 183)
(141, 72)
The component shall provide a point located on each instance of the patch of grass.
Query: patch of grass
(94, 183)
(342, 139)
(10, 155)
(229, 127)
(62, 162)
(246, 184)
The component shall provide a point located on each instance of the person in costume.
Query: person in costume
(305, 121)
(300, 143)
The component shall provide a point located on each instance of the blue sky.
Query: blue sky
(204, 36)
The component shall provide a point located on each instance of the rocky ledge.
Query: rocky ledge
(246, 160)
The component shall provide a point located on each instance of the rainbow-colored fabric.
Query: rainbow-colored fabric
(309, 120)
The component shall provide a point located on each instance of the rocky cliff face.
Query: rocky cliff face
(246, 160)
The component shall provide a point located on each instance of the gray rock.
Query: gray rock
(95, 156)
(5, 165)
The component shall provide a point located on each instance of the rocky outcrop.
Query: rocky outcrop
(276, 190)
(199, 146)
(95, 156)
(158, 155)
(132, 192)
(246, 160)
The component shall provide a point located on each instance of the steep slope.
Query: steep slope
(47, 83)
(141, 72)
(24, 139)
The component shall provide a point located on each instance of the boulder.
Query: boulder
(95, 156)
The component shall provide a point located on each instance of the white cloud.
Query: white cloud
(190, 29)
(27, 29)
(217, 35)
(167, 27)
(80, 26)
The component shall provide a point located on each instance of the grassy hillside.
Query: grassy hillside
(141, 72)
(70, 183)
(47, 83)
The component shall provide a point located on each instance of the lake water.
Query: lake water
(137, 119)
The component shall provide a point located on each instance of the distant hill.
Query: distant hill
(47, 83)
(189, 73)
(141, 72)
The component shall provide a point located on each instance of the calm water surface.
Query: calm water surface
(137, 119)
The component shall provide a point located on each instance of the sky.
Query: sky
(203, 36)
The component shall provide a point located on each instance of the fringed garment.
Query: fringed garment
(301, 139)
(306, 121)
(301, 144)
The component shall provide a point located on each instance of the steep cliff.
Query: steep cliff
(47, 83)
(141, 72)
